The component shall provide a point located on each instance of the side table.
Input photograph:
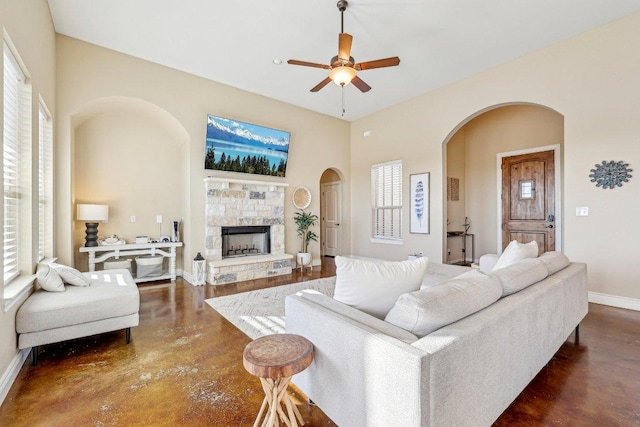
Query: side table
(275, 359)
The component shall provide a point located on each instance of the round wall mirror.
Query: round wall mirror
(301, 197)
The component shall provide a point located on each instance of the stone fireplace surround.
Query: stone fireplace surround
(236, 202)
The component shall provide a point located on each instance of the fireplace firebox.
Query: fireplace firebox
(241, 241)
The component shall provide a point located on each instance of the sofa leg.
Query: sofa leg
(34, 355)
(128, 335)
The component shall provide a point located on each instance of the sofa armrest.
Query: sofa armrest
(487, 262)
(359, 376)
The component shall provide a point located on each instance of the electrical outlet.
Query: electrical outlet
(133, 218)
(159, 219)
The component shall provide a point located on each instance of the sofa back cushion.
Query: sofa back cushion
(554, 261)
(374, 286)
(520, 275)
(516, 251)
(429, 309)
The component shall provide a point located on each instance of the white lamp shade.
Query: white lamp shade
(342, 76)
(92, 213)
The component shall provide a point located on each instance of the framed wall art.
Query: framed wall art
(419, 221)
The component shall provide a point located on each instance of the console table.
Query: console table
(104, 252)
(464, 261)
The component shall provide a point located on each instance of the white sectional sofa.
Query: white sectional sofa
(370, 372)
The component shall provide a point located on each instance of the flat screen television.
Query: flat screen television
(236, 146)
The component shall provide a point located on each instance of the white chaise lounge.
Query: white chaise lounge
(111, 303)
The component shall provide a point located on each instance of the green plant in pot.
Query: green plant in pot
(304, 221)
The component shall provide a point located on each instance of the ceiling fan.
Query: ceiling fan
(343, 68)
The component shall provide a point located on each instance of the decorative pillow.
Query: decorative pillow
(429, 309)
(48, 279)
(554, 261)
(374, 286)
(520, 275)
(70, 275)
(515, 252)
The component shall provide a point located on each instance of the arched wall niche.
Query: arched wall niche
(470, 154)
(133, 156)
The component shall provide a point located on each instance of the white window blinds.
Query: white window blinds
(16, 123)
(386, 190)
(45, 149)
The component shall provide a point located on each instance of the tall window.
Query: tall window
(17, 128)
(45, 166)
(386, 190)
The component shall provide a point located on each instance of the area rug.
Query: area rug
(259, 313)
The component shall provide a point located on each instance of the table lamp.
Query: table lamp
(91, 214)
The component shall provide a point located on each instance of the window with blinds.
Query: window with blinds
(386, 190)
(45, 167)
(17, 123)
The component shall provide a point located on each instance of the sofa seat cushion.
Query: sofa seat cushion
(520, 275)
(427, 310)
(110, 295)
(374, 286)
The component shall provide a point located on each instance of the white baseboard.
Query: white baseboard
(615, 301)
(11, 373)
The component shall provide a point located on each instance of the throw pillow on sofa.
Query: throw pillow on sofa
(429, 309)
(48, 279)
(70, 275)
(374, 286)
(516, 251)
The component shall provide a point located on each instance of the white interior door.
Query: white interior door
(331, 218)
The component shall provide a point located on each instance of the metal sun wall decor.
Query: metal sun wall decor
(610, 174)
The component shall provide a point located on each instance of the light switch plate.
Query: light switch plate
(582, 211)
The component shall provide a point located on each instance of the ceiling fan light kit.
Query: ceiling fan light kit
(343, 68)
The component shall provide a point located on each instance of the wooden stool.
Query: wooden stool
(275, 359)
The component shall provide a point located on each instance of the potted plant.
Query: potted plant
(304, 221)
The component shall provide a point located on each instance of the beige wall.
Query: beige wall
(591, 80)
(29, 26)
(88, 75)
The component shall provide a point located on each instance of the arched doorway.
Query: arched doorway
(331, 213)
(472, 172)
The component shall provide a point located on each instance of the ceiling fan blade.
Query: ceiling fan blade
(321, 85)
(344, 46)
(308, 64)
(378, 63)
(360, 84)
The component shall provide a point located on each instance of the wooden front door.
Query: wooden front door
(331, 218)
(528, 200)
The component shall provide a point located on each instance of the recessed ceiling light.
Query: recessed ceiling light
(277, 61)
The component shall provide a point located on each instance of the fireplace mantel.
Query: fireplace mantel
(245, 182)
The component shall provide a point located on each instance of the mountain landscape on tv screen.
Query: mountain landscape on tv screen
(236, 146)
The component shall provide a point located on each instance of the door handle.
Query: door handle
(550, 226)
(337, 225)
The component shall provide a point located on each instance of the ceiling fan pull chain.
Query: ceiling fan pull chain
(343, 110)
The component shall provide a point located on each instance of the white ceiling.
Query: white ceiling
(235, 41)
